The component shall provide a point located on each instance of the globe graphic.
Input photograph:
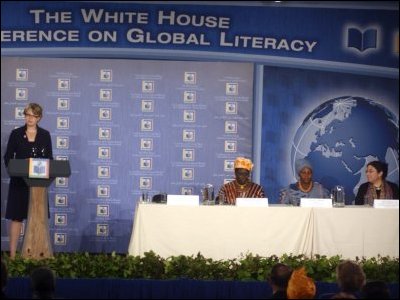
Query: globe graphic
(341, 136)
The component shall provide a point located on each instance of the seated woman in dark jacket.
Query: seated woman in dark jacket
(377, 187)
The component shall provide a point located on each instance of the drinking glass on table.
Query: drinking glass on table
(221, 199)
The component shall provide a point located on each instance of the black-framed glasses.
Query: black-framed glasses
(30, 115)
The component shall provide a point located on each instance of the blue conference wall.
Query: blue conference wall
(128, 128)
(278, 37)
(338, 121)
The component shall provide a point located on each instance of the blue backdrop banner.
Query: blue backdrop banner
(339, 122)
(128, 128)
(347, 35)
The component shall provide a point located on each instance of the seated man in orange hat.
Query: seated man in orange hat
(242, 186)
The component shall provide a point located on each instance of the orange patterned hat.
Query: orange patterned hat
(245, 163)
(300, 286)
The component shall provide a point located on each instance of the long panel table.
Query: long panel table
(226, 232)
(356, 231)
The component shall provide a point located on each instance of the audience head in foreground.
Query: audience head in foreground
(43, 283)
(279, 278)
(375, 290)
(300, 286)
(350, 277)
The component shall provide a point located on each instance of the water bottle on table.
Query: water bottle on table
(338, 196)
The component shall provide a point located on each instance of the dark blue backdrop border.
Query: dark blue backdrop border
(161, 289)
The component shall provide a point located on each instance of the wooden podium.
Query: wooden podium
(37, 243)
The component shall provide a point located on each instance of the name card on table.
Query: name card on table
(183, 200)
(252, 202)
(316, 202)
(386, 203)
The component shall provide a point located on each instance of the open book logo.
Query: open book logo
(362, 40)
(39, 168)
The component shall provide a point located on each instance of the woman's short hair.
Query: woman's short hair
(376, 289)
(36, 109)
(280, 275)
(350, 276)
(43, 280)
(380, 167)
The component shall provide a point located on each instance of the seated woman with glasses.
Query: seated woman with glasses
(377, 186)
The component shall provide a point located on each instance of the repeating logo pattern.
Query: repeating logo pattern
(60, 219)
(21, 94)
(19, 113)
(61, 182)
(105, 94)
(61, 200)
(106, 75)
(102, 230)
(190, 77)
(103, 210)
(103, 191)
(146, 163)
(62, 142)
(62, 122)
(60, 239)
(133, 111)
(63, 103)
(64, 84)
(104, 152)
(22, 74)
(104, 133)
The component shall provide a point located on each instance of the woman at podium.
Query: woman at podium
(24, 142)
